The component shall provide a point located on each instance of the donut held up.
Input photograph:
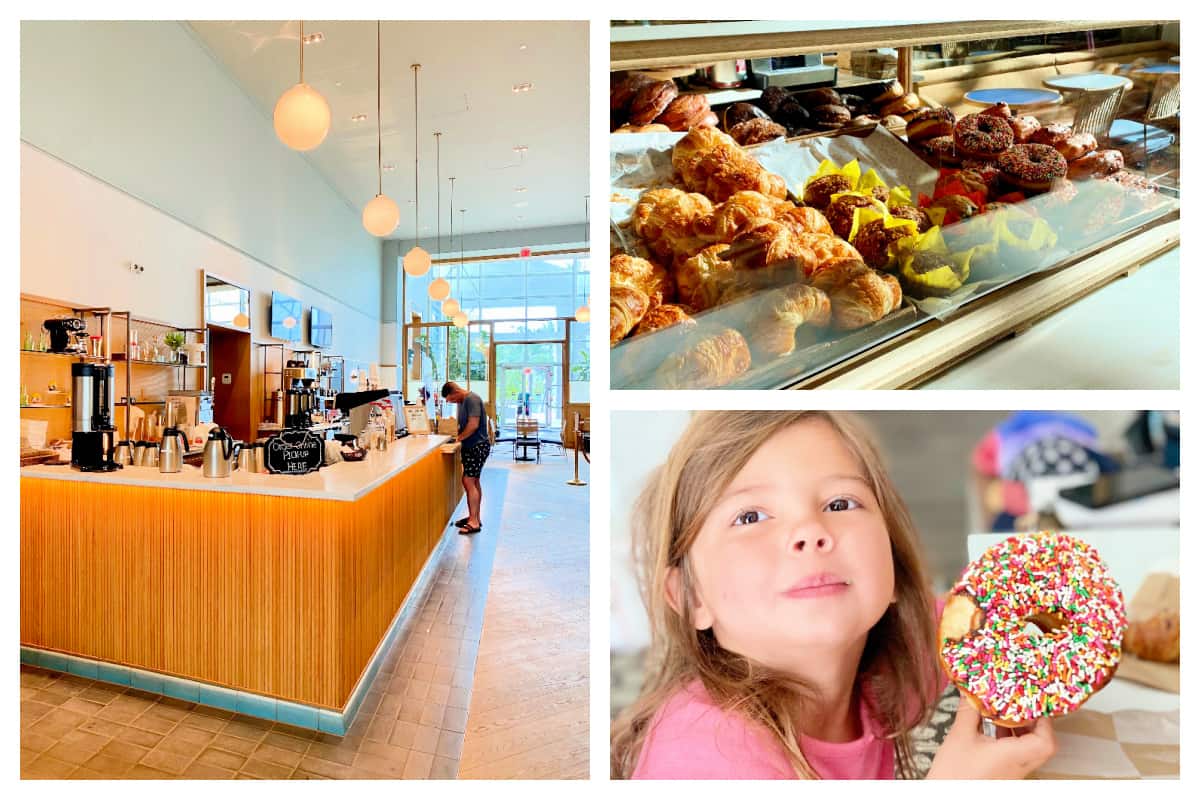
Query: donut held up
(1033, 628)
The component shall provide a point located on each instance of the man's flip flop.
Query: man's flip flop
(465, 529)
(458, 523)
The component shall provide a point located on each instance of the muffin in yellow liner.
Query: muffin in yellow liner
(876, 234)
(928, 268)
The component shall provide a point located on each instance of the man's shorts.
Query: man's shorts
(473, 458)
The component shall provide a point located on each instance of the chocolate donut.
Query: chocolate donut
(818, 97)
(855, 103)
(930, 122)
(1033, 167)
(831, 117)
(982, 136)
(772, 98)
(741, 112)
(819, 190)
(939, 151)
(623, 88)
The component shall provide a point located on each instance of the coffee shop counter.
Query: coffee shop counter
(266, 594)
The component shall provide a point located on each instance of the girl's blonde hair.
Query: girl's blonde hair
(897, 662)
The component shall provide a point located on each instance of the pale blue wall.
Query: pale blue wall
(142, 106)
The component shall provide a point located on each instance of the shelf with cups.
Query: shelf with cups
(44, 405)
(179, 361)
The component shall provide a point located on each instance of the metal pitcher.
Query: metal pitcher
(139, 454)
(170, 458)
(220, 454)
(124, 455)
(250, 458)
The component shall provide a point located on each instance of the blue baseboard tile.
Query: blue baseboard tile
(113, 673)
(181, 689)
(296, 714)
(217, 697)
(83, 667)
(30, 656)
(146, 681)
(331, 722)
(254, 705)
(54, 661)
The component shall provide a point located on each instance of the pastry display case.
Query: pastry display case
(858, 231)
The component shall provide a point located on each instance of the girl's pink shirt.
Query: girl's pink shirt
(692, 738)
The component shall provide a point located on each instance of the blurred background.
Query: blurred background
(969, 478)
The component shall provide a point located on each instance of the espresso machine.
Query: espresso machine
(93, 435)
(67, 335)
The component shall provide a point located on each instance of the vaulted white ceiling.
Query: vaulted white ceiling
(468, 70)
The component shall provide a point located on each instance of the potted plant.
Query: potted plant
(176, 340)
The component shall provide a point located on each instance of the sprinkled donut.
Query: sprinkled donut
(982, 136)
(1033, 167)
(1011, 674)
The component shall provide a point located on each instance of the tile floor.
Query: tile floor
(411, 724)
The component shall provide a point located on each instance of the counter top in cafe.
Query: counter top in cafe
(346, 481)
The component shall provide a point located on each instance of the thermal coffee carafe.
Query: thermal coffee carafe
(170, 456)
(93, 435)
(220, 454)
(300, 403)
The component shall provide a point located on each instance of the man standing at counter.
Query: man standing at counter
(472, 432)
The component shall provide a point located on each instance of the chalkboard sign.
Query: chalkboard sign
(294, 452)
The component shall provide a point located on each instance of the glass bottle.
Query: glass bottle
(27, 341)
(24, 395)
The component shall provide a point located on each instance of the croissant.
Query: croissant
(731, 217)
(778, 313)
(722, 173)
(706, 361)
(701, 278)
(766, 243)
(859, 294)
(664, 316)
(712, 163)
(627, 305)
(803, 219)
(828, 249)
(638, 273)
(665, 219)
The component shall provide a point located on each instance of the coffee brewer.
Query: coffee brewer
(65, 329)
(300, 402)
(93, 436)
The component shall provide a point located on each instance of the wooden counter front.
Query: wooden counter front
(280, 596)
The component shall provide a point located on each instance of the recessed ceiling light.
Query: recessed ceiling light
(521, 188)
(314, 38)
(523, 47)
(388, 167)
(359, 118)
(518, 88)
(521, 148)
(521, 204)
(519, 217)
(337, 83)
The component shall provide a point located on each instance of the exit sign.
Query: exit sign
(525, 251)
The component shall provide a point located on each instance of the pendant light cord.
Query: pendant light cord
(452, 222)
(437, 137)
(379, 103)
(302, 51)
(416, 162)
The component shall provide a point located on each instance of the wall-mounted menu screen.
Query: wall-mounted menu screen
(320, 328)
(286, 313)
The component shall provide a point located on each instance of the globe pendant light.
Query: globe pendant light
(583, 313)
(380, 216)
(460, 320)
(450, 308)
(302, 115)
(439, 289)
(416, 260)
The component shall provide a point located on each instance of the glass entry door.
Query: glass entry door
(529, 382)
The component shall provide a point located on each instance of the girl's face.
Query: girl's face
(795, 553)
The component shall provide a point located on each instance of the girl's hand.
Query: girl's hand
(968, 754)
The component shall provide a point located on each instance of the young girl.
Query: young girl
(792, 622)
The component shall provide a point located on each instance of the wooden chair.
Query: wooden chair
(527, 437)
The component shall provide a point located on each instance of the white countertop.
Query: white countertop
(1123, 336)
(346, 481)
